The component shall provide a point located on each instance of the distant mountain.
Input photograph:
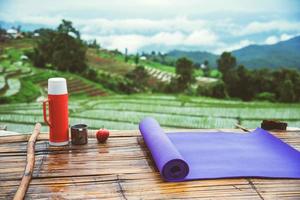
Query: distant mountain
(281, 54)
(195, 56)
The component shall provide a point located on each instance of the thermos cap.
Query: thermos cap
(57, 86)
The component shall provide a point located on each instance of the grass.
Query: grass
(18, 44)
(125, 112)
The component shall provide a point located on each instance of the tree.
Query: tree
(230, 76)
(66, 27)
(286, 91)
(44, 50)
(137, 59)
(206, 69)
(226, 62)
(245, 86)
(126, 55)
(3, 37)
(59, 49)
(18, 28)
(263, 80)
(184, 71)
(215, 89)
(69, 54)
(206, 62)
(286, 84)
(94, 44)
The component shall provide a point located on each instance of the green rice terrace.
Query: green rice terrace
(23, 87)
(125, 112)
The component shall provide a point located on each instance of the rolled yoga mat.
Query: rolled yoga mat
(210, 155)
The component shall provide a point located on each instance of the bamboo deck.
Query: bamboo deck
(121, 169)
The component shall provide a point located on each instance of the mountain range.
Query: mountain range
(281, 54)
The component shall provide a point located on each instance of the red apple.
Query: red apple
(102, 135)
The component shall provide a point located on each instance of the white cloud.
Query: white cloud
(146, 8)
(271, 40)
(201, 37)
(235, 46)
(260, 27)
(105, 26)
(275, 39)
(139, 25)
(135, 42)
(137, 33)
(193, 25)
(285, 36)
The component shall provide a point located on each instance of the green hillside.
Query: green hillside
(22, 82)
(22, 87)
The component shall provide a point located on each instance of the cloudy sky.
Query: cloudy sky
(163, 25)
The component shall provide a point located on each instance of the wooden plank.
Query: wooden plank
(278, 188)
(121, 169)
(30, 163)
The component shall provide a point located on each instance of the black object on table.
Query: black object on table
(273, 125)
(79, 134)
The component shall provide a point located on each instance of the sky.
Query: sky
(163, 25)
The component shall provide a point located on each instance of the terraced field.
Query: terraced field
(78, 86)
(108, 62)
(10, 76)
(160, 75)
(18, 76)
(14, 86)
(125, 112)
(165, 76)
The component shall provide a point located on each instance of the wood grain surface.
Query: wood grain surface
(121, 169)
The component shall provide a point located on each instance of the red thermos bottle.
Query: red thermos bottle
(58, 111)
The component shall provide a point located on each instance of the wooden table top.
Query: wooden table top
(121, 169)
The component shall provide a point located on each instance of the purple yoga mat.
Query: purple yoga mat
(209, 155)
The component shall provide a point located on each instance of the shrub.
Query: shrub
(216, 89)
(139, 78)
(91, 74)
(215, 74)
(266, 96)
